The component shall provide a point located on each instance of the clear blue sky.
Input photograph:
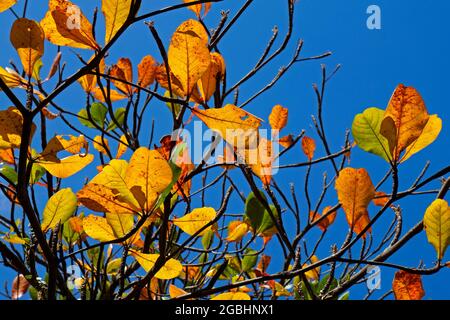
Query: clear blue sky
(411, 48)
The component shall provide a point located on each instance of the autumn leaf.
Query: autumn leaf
(68, 166)
(19, 287)
(436, 222)
(27, 37)
(366, 131)
(123, 72)
(6, 4)
(59, 208)
(404, 120)
(122, 147)
(326, 222)
(116, 13)
(101, 144)
(175, 292)
(236, 231)
(188, 54)
(261, 159)
(355, 192)
(111, 95)
(312, 274)
(232, 296)
(380, 199)
(171, 269)
(196, 220)
(11, 78)
(286, 141)
(98, 228)
(208, 82)
(65, 25)
(407, 286)
(89, 81)
(199, 8)
(308, 147)
(427, 137)
(11, 123)
(278, 117)
(146, 71)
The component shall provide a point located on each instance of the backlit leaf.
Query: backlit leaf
(6, 4)
(236, 231)
(171, 269)
(326, 222)
(146, 71)
(11, 122)
(232, 296)
(308, 147)
(198, 8)
(437, 226)
(209, 80)
(194, 221)
(278, 117)
(59, 208)
(407, 286)
(116, 13)
(19, 287)
(98, 228)
(123, 71)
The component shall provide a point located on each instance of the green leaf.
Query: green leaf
(37, 70)
(258, 217)
(9, 173)
(37, 172)
(60, 207)
(207, 239)
(366, 131)
(249, 260)
(176, 107)
(345, 296)
(98, 113)
(119, 115)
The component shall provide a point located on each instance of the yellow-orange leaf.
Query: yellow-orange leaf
(171, 269)
(65, 25)
(404, 120)
(123, 146)
(68, 166)
(407, 286)
(232, 296)
(188, 54)
(27, 37)
(355, 191)
(198, 8)
(116, 13)
(308, 147)
(102, 199)
(147, 71)
(380, 199)
(286, 141)
(11, 78)
(196, 220)
(98, 228)
(123, 71)
(101, 144)
(174, 291)
(114, 95)
(11, 123)
(313, 274)
(326, 222)
(89, 81)
(278, 117)
(6, 4)
(208, 82)
(236, 231)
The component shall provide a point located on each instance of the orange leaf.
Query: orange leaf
(123, 71)
(326, 222)
(286, 141)
(198, 8)
(278, 117)
(355, 191)
(20, 286)
(407, 286)
(308, 147)
(146, 71)
(380, 199)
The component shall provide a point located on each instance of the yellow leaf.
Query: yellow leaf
(147, 71)
(260, 160)
(123, 71)
(27, 37)
(123, 146)
(170, 270)
(313, 274)
(208, 82)
(98, 228)
(194, 221)
(236, 231)
(188, 54)
(174, 291)
(278, 117)
(11, 78)
(232, 123)
(427, 137)
(437, 226)
(116, 13)
(65, 25)
(114, 95)
(69, 143)
(66, 167)
(121, 224)
(148, 175)
(198, 8)
(102, 199)
(101, 145)
(308, 147)
(407, 286)
(355, 192)
(59, 208)
(11, 123)
(404, 119)
(6, 4)
(232, 296)
(89, 81)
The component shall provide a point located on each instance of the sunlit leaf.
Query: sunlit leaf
(407, 286)
(116, 13)
(196, 220)
(232, 296)
(278, 117)
(436, 222)
(308, 147)
(171, 269)
(6, 4)
(59, 208)
(98, 228)
(19, 287)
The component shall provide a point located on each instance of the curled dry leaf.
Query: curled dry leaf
(27, 37)
(407, 286)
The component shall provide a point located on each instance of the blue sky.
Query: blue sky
(411, 48)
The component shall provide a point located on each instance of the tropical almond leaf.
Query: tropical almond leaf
(188, 54)
(278, 117)
(236, 231)
(59, 208)
(366, 131)
(123, 72)
(27, 37)
(208, 82)
(6, 4)
(147, 71)
(11, 124)
(116, 13)
(196, 220)
(427, 137)
(65, 25)
(355, 192)
(404, 120)
(98, 228)
(437, 226)
(171, 269)
(407, 286)
(68, 166)
(308, 147)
